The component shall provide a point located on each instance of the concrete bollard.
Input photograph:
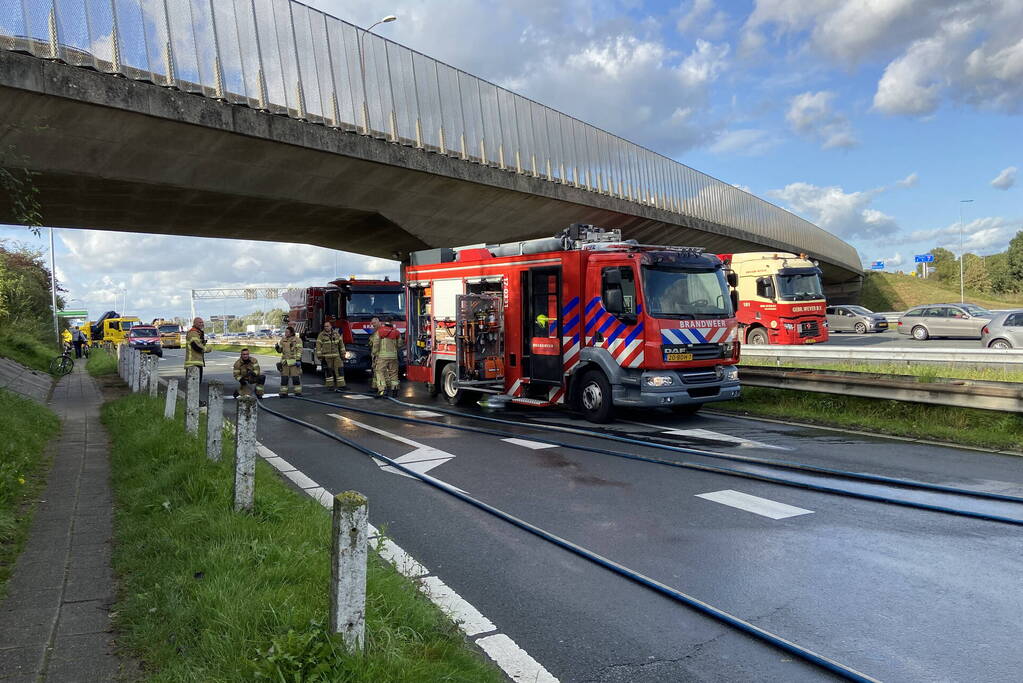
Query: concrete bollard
(245, 454)
(120, 361)
(172, 399)
(192, 400)
(154, 376)
(133, 370)
(348, 569)
(214, 420)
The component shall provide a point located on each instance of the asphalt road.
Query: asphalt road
(900, 594)
(892, 338)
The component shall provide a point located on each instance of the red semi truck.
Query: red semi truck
(584, 318)
(349, 304)
(780, 298)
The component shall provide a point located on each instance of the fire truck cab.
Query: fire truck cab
(780, 298)
(350, 305)
(584, 318)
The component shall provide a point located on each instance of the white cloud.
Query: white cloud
(811, 114)
(1005, 179)
(983, 235)
(845, 214)
(744, 142)
(909, 181)
(702, 18)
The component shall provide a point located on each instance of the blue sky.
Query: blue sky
(871, 119)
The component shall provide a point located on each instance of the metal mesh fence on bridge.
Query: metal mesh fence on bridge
(286, 58)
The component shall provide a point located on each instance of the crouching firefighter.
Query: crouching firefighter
(330, 349)
(385, 354)
(290, 366)
(246, 371)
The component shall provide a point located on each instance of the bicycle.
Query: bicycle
(62, 364)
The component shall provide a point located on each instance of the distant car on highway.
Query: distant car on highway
(855, 319)
(944, 320)
(145, 338)
(1005, 331)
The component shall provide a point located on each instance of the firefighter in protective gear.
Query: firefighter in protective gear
(195, 347)
(385, 369)
(330, 349)
(290, 366)
(246, 371)
(374, 344)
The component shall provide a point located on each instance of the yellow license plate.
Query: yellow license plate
(674, 357)
(810, 341)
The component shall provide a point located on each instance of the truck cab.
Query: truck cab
(584, 318)
(780, 298)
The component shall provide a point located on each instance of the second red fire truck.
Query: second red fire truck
(584, 318)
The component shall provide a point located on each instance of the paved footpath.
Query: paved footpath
(55, 621)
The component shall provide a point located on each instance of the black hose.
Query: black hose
(777, 641)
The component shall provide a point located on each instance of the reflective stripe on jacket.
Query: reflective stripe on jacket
(241, 368)
(195, 356)
(390, 339)
(290, 349)
(329, 344)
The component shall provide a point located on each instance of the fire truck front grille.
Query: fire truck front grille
(809, 329)
(705, 351)
(698, 377)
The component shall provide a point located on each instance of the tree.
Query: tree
(975, 275)
(1014, 257)
(946, 265)
(998, 270)
(25, 291)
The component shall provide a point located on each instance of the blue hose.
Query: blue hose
(777, 641)
(669, 463)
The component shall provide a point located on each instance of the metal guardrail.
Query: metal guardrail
(1002, 396)
(1007, 359)
(286, 58)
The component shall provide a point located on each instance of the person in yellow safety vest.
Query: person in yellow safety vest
(65, 339)
(374, 346)
(386, 370)
(330, 348)
(290, 366)
(195, 347)
(246, 371)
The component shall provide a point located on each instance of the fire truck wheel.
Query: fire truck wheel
(593, 396)
(757, 337)
(449, 386)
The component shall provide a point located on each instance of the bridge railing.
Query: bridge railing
(284, 57)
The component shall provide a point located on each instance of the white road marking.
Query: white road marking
(280, 464)
(302, 481)
(423, 413)
(718, 436)
(357, 397)
(469, 618)
(532, 445)
(512, 659)
(515, 661)
(755, 504)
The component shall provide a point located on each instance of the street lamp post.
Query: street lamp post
(962, 253)
(362, 69)
(53, 289)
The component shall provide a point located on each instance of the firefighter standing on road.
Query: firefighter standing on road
(374, 346)
(330, 348)
(195, 347)
(246, 371)
(290, 366)
(385, 369)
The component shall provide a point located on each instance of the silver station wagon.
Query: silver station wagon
(944, 320)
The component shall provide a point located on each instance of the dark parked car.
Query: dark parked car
(1005, 331)
(855, 319)
(146, 339)
(944, 320)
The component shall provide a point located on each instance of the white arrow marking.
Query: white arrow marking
(718, 436)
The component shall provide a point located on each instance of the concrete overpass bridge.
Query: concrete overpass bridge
(268, 120)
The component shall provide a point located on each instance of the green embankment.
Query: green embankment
(26, 427)
(208, 594)
(101, 363)
(965, 426)
(26, 349)
(897, 292)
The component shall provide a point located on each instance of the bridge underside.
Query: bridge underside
(116, 154)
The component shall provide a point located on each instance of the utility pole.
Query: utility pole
(962, 253)
(53, 291)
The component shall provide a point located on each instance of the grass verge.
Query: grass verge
(26, 427)
(101, 363)
(926, 373)
(965, 426)
(26, 350)
(207, 594)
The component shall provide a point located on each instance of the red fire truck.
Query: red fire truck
(584, 318)
(349, 304)
(780, 298)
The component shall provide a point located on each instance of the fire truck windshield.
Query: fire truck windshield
(800, 286)
(377, 303)
(686, 293)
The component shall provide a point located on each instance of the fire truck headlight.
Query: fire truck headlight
(727, 349)
(731, 373)
(658, 380)
(825, 323)
(789, 326)
(349, 355)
